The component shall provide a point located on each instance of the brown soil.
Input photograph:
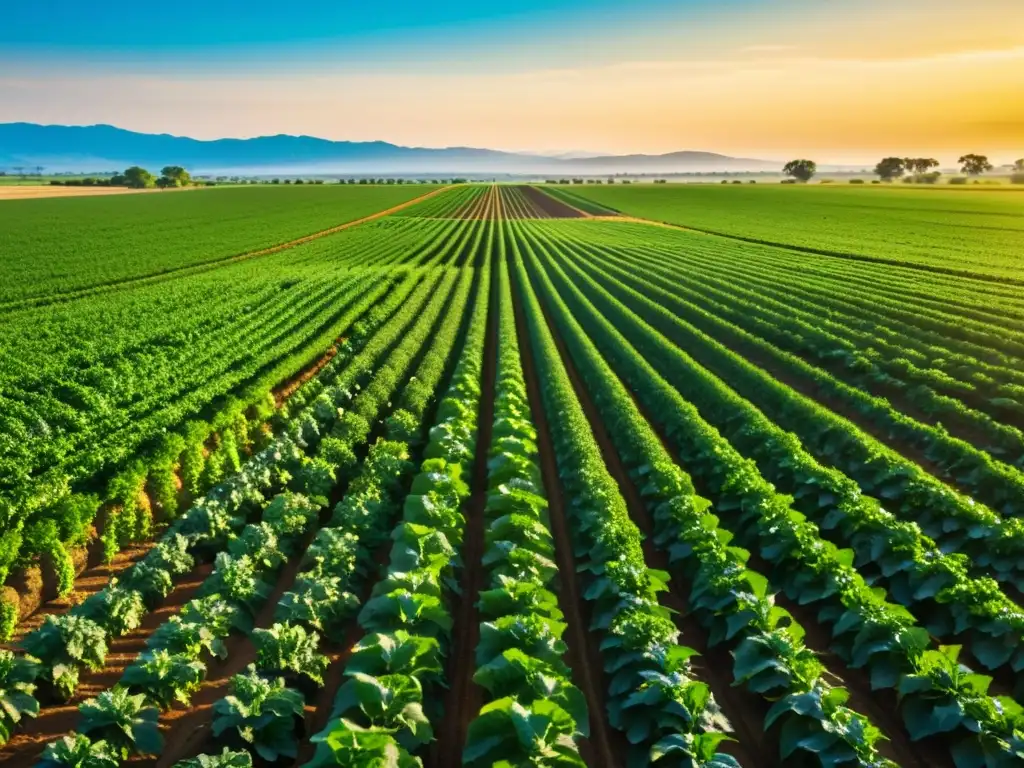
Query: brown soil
(288, 388)
(464, 698)
(549, 207)
(605, 747)
(36, 191)
(89, 582)
(187, 731)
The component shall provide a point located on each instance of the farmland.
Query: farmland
(511, 476)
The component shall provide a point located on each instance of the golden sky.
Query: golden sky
(840, 81)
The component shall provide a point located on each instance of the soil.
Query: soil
(288, 388)
(605, 747)
(549, 207)
(36, 191)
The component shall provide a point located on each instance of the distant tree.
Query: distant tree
(920, 165)
(1018, 165)
(802, 170)
(138, 178)
(974, 165)
(287, 181)
(890, 168)
(275, 181)
(299, 181)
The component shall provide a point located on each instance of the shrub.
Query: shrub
(1017, 178)
(856, 181)
(958, 180)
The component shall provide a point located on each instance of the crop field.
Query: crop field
(508, 476)
(961, 231)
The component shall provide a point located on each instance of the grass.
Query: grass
(970, 231)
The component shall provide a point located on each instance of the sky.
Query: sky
(838, 81)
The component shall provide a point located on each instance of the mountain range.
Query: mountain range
(107, 148)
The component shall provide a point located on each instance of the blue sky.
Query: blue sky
(737, 76)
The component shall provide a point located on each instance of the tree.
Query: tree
(1018, 165)
(890, 168)
(800, 169)
(176, 176)
(921, 164)
(138, 178)
(974, 165)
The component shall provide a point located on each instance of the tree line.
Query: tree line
(135, 177)
(912, 169)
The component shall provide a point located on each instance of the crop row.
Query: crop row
(196, 455)
(384, 710)
(867, 631)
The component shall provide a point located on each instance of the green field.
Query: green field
(962, 231)
(119, 237)
(492, 481)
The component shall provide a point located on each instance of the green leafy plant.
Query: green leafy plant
(347, 745)
(393, 702)
(164, 678)
(226, 759)
(64, 644)
(317, 601)
(117, 609)
(17, 686)
(539, 733)
(289, 649)
(124, 721)
(76, 750)
(260, 713)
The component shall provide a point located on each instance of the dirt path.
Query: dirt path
(605, 748)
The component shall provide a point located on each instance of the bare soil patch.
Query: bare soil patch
(33, 192)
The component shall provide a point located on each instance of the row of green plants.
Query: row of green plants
(533, 712)
(204, 453)
(452, 203)
(808, 713)
(383, 712)
(263, 712)
(66, 644)
(937, 694)
(196, 454)
(858, 362)
(119, 608)
(928, 357)
(991, 481)
(936, 587)
(265, 706)
(669, 717)
(994, 544)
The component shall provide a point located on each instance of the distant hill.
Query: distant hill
(105, 147)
